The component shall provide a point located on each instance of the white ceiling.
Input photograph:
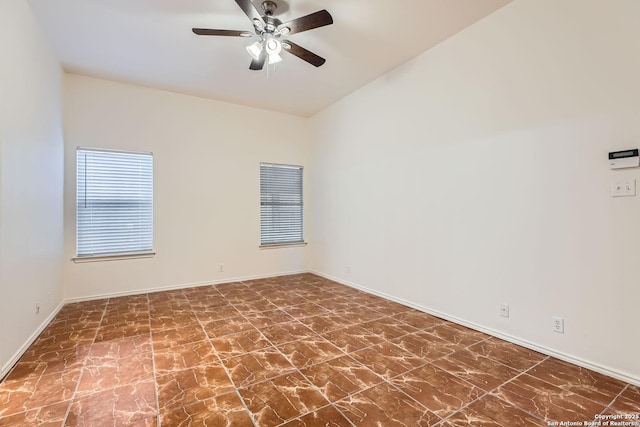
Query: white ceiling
(150, 43)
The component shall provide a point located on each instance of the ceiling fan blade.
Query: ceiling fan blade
(250, 10)
(308, 22)
(302, 53)
(232, 33)
(257, 64)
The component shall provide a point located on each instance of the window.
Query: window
(114, 203)
(280, 204)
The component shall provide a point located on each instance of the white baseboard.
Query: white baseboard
(179, 286)
(605, 370)
(18, 354)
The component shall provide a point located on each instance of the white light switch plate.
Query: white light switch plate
(623, 188)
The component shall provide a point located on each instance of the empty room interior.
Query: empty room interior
(307, 213)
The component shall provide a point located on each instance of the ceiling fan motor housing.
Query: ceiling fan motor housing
(271, 24)
(269, 7)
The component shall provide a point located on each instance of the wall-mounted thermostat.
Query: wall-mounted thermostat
(624, 159)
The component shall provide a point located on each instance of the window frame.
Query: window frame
(278, 244)
(123, 254)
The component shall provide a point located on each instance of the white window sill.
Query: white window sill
(101, 258)
(282, 245)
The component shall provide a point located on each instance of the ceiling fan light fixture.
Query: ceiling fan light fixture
(274, 58)
(274, 47)
(255, 49)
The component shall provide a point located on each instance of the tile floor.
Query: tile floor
(293, 351)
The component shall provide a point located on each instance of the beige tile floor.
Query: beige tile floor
(296, 351)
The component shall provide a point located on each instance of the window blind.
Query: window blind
(281, 204)
(114, 203)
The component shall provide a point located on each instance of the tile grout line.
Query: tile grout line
(557, 386)
(83, 368)
(485, 393)
(614, 399)
(525, 371)
(200, 323)
(136, 335)
(206, 339)
(518, 376)
(390, 382)
(220, 361)
(382, 378)
(317, 389)
(297, 370)
(495, 388)
(330, 404)
(84, 364)
(360, 323)
(153, 364)
(319, 335)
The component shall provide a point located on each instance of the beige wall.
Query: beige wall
(31, 181)
(206, 184)
(477, 174)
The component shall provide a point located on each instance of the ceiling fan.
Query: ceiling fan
(270, 31)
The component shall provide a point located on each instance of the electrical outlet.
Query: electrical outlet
(348, 269)
(558, 324)
(221, 268)
(504, 310)
(37, 308)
